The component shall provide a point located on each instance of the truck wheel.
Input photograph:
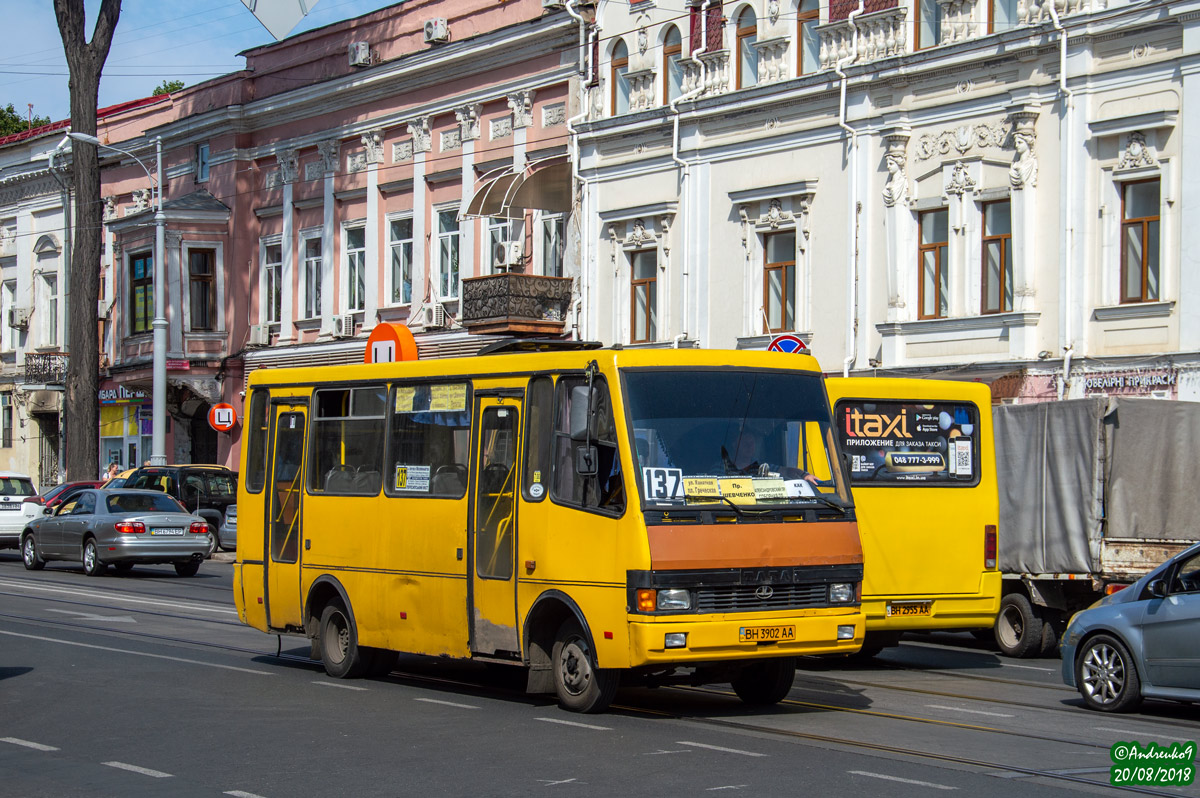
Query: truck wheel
(1018, 627)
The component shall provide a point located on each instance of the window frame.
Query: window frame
(991, 20)
(787, 321)
(203, 153)
(354, 264)
(145, 282)
(271, 285)
(941, 250)
(810, 17)
(562, 385)
(672, 59)
(746, 36)
(558, 243)
(6, 420)
(393, 243)
(921, 6)
(210, 324)
(49, 290)
(1006, 264)
(1143, 222)
(313, 275)
(315, 483)
(651, 286)
(444, 284)
(390, 455)
(618, 68)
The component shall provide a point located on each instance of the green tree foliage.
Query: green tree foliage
(167, 87)
(13, 122)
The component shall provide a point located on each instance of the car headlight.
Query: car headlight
(675, 599)
(841, 593)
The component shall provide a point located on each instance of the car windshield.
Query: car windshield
(222, 485)
(733, 437)
(125, 503)
(16, 486)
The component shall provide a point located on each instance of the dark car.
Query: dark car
(205, 490)
(117, 527)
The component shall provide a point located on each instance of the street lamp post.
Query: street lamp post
(158, 455)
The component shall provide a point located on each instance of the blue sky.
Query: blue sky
(155, 40)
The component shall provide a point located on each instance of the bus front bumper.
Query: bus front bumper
(720, 637)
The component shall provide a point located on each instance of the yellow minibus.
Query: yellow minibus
(923, 470)
(665, 516)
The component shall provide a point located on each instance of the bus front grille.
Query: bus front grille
(748, 598)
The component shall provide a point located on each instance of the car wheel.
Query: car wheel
(1107, 678)
(187, 568)
(29, 555)
(581, 686)
(91, 559)
(765, 682)
(1018, 627)
(339, 643)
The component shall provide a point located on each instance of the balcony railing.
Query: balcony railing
(516, 304)
(46, 368)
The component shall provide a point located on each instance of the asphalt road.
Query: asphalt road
(147, 684)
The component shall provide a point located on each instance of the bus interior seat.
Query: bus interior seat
(447, 481)
(339, 479)
(367, 480)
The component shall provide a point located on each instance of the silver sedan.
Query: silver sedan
(118, 527)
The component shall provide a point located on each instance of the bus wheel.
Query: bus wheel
(581, 686)
(765, 682)
(1018, 627)
(339, 643)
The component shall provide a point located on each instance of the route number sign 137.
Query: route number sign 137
(663, 484)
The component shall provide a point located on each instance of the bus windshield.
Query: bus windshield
(732, 437)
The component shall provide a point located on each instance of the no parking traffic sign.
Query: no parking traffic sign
(787, 343)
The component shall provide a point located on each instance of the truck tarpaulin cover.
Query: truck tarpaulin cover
(1072, 472)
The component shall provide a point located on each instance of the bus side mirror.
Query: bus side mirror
(580, 402)
(587, 461)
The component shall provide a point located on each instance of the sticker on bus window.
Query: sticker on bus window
(412, 477)
(663, 484)
(448, 397)
(701, 489)
(769, 490)
(406, 397)
(738, 490)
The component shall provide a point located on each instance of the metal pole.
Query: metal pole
(159, 397)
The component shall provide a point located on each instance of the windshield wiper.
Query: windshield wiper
(737, 508)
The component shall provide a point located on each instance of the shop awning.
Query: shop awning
(508, 193)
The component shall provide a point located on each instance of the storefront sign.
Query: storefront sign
(1130, 383)
(120, 395)
(179, 365)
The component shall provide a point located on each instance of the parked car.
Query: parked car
(14, 488)
(1141, 642)
(119, 480)
(205, 490)
(32, 507)
(120, 528)
(227, 532)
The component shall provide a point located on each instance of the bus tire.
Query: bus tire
(581, 685)
(1018, 627)
(340, 653)
(766, 682)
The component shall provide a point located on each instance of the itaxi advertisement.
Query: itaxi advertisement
(889, 441)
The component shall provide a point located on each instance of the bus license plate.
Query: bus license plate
(766, 634)
(912, 608)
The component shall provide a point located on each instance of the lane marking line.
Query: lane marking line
(728, 787)
(660, 752)
(445, 703)
(157, 774)
(27, 744)
(91, 616)
(969, 711)
(718, 748)
(240, 794)
(340, 686)
(886, 777)
(115, 597)
(137, 653)
(577, 724)
(1029, 668)
(1119, 731)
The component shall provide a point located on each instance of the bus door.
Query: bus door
(493, 525)
(284, 525)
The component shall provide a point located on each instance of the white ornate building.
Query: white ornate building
(984, 189)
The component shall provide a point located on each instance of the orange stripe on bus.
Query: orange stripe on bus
(753, 545)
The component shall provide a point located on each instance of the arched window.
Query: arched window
(747, 35)
(808, 16)
(672, 68)
(620, 83)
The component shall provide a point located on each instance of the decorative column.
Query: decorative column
(286, 175)
(373, 141)
(422, 141)
(176, 295)
(899, 222)
(961, 182)
(1022, 177)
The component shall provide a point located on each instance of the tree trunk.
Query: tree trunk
(85, 60)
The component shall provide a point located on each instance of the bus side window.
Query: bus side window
(256, 452)
(429, 440)
(539, 431)
(347, 441)
(604, 491)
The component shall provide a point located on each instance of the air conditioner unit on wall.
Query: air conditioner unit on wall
(552, 5)
(360, 54)
(18, 318)
(437, 31)
(260, 335)
(433, 316)
(343, 326)
(508, 253)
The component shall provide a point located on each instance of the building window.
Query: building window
(50, 291)
(779, 281)
(141, 292)
(644, 295)
(6, 420)
(448, 249)
(929, 23)
(272, 287)
(498, 246)
(747, 58)
(935, 237)
(1139, 241)
(1002, 15)
(808, 17)
(705, 34)
(672, 65)
(997, 257)
(401, 243)
(620, 83)
(553, 245)
(313, 268)
(356, 267)
(202, 288)
(201, 163)
(8, 301)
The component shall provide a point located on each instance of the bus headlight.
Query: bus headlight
(841, 593)
(674, 600)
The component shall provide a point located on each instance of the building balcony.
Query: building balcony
(46, 368)
(515, 304)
